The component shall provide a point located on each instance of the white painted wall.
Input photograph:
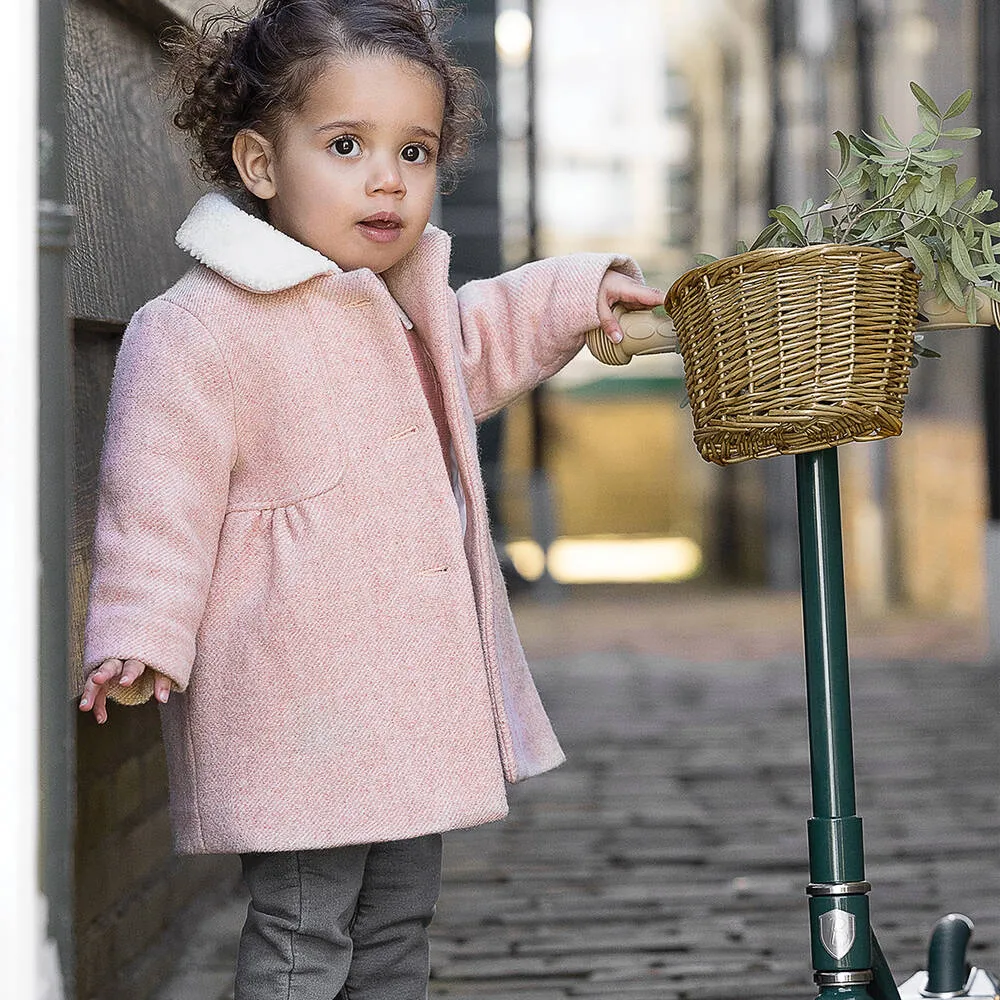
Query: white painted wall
(21, 934)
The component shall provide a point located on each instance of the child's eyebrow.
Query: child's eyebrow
(366, 126)
(357, 126)
(425, 132)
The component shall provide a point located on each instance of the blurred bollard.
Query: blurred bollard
(542, 502)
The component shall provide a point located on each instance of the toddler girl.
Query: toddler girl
(292, 550)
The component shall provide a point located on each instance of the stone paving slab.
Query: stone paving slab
(667, 857)
(710, 899)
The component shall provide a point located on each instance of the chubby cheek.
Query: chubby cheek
(425, 193)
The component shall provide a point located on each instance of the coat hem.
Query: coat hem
(201, 845)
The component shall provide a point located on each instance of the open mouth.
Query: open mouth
(382, 227)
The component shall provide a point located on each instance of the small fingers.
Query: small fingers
(127, 672)
(132, 670)
(100, 707)
(617, 288)
(161, 688)
(94, 686)
(641, 296)
(107, 671)
(608, 320)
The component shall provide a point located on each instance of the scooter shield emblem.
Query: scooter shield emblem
(836, 932)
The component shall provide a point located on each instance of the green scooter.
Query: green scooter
(847, 959)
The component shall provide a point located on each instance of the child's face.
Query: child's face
(354, 173)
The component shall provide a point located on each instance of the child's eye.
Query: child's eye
(415, 153)
(346, 145)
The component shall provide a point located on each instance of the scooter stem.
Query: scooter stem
(838, 890)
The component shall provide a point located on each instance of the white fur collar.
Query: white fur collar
(250, 252)
(245, 249)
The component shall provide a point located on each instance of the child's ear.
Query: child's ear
(254, 159)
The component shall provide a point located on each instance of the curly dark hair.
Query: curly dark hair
(236, 71)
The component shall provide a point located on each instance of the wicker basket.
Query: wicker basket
(793, 350)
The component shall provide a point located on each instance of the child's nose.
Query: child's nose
(386, 177)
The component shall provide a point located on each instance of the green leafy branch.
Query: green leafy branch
(904, 196)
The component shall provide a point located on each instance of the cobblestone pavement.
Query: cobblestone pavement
(667, 857)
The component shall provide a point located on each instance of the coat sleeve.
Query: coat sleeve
(521, 327)
(169, 447)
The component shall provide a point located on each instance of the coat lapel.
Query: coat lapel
(419, 283)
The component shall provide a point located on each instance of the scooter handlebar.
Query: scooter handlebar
(937, 315)
(645, 332)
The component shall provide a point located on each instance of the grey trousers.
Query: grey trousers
(348, 923)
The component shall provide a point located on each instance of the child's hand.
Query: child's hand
(617, 287)
(126, 673)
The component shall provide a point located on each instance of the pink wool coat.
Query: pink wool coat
(277, 534)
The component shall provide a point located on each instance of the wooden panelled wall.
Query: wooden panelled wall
(131, 185)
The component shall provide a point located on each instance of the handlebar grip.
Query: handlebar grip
(947, 968)
(644, 333)
(945, 316)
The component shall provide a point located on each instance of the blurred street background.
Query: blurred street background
(665, 129)
(657, 595)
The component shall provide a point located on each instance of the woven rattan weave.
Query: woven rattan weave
(790, 350)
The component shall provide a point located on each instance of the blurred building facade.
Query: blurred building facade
(669, 128)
